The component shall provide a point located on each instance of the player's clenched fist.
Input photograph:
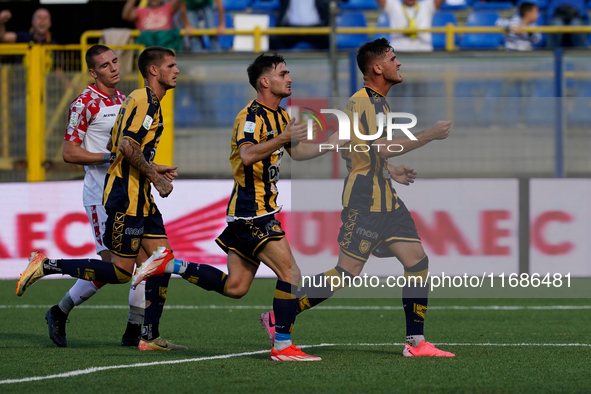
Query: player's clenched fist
(440, 129)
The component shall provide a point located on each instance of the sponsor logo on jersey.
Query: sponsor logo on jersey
(366, 233)
(134, 231)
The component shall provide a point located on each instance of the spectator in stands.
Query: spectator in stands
(156, 22)
(302, 13)
(411, 13)
(527, 16)
(571, 13)
(201, 13)
(39, 32)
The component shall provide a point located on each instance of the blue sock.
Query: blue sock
(282, 337)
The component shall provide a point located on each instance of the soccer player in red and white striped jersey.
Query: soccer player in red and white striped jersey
(91, 118)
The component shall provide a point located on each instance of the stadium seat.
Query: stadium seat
(542, 5)
(481, 40)
(382, 21)
(265, 5)
(492, 5)
(359, 5)
(302, 46)
(542, 21)
(351, 19)
(226, 41)
(442, 18)
(236, 5)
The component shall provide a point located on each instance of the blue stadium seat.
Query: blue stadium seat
(302, 46)
(442, 18)
(542, 5)
(492, 5)
(359, 5)
(351, 19)
(382, 21)
(542, 21)
(265, 5)
(226, 41)
(236, 5)
(481, 40)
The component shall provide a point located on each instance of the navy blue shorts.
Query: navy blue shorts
(364, 232)
(123, 233)
(247, 237)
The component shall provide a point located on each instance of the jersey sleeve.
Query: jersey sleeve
(79, 116)
(143, 115)
(249, 128)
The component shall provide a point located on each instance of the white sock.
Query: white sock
(414, 340)
(280, 345)
(137, 303)
(80, 292)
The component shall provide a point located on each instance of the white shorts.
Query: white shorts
(97, 216)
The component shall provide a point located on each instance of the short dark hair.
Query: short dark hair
(370, 51)
(524, 8)
(262, 64)
(95, 50)
(152, 56)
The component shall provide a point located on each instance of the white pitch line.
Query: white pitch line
(326, 308)
(230, 355)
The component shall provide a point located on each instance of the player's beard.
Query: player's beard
(397, 78)
(165, 84)
(281, 93)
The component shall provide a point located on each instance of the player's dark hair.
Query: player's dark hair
(262, 64)
(525, 8)
(95, 50)
(152, 56)
(370, 51)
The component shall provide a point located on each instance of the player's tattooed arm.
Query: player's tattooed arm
(134, 155)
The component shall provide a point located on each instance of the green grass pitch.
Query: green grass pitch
(521, 349)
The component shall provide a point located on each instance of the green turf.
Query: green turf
(350, 366)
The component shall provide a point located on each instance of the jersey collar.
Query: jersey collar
(93, 87)
(373, 90)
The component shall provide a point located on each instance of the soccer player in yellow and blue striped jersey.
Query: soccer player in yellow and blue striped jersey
(374, 219)
(262, 133)
(133, 220)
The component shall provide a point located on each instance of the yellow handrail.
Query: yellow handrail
(449, 30)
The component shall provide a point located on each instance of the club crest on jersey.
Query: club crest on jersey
(147, 122)
(135, 244)
(364, 246)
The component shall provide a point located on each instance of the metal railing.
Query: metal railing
(45, 109)
(450, 31)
